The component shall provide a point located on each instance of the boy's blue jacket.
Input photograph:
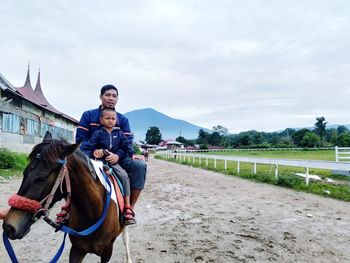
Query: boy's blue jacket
(115, 142)
(90, 122)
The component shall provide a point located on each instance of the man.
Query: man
(90, 122)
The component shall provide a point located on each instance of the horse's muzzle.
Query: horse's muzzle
(17, 224)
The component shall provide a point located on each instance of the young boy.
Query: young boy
(111, 139)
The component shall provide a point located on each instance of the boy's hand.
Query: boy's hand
(112, 158)
(137, 157)
(98, 153)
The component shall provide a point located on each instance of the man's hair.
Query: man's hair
(106, 110)
(108, 87)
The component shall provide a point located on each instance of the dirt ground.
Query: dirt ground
(191, 215)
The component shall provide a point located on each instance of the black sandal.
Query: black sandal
(128, 216)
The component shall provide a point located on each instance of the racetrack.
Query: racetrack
(191, 215)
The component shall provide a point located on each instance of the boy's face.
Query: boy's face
(109, 119)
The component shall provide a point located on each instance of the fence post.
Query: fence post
(214, 162)
(206, 161)
(225, 164)
(307, 175)
(336, 154)
(254, 168)
(238, 167)
(276, 171)
(200, 161)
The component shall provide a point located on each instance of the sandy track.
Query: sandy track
(192, 215)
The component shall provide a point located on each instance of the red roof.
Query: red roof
(37, 97)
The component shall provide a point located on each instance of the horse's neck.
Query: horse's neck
(87, 193)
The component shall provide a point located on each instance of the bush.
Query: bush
(290, 181)
(7, 159)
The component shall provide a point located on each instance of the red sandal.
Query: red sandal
(63, 216)
(128, 216)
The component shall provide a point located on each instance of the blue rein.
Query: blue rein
(66, 229)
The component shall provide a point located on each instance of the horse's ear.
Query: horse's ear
(69, 149)
(47, 136)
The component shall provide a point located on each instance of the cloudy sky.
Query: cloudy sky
(263, 65)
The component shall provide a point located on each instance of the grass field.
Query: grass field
(286, 174)
(326, 155)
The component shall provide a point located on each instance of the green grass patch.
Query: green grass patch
(286, 176)
(307, 154)
(12, 164)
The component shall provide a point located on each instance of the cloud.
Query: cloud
(244, 65)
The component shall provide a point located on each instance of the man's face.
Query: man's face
(109, 98)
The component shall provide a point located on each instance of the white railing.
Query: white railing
(329, 165)
(342, 153)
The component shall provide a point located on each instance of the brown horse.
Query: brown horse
(88, 196)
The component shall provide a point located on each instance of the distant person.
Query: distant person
(105, 141)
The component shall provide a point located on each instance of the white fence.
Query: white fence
(342, 153)
(329, 165)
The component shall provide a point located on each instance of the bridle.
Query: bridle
(42, 207)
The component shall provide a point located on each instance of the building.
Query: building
(171, 145)
(26, 115)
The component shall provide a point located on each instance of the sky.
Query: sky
(262, 65)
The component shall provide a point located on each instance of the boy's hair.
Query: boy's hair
(108, 87)
(106, 110)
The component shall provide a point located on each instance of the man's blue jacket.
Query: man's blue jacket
(90, 122)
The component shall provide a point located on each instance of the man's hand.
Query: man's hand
(112, 158)
(98, 153)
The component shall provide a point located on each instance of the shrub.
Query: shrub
(7, 159)
(290, 181)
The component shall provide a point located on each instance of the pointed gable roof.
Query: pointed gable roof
(27, 91)
(37, 96)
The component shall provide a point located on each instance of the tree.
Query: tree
(153, 135)
(343, 140)
(298, 136)
(221, 130)
(310, 139)
(215, 138)
(183, 140)
(342, 129)
(203, 137)
(320, 127)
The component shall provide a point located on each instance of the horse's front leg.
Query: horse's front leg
(107, 253)
(76, 255)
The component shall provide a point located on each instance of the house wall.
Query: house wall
(30, 132)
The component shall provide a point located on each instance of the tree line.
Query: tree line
(318, 136)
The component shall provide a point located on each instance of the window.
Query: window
(44, 129)
(32, 127)
(10, 122)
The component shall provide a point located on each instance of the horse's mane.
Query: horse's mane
(48, 150)
(53, 149)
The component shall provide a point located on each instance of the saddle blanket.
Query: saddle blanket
(98, 166)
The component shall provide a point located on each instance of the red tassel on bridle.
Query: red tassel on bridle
(33, 206)
(24, 203)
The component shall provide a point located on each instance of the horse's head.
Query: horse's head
(45, 163)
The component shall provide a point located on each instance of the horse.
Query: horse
(88, 197)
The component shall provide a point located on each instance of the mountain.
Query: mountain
(141, 120)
